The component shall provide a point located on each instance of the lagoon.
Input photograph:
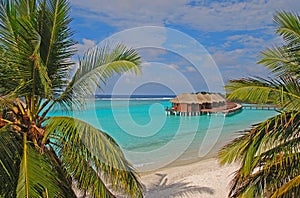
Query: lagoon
(151, 140)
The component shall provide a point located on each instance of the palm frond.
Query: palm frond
(38, 177)
(82, 171)
(37, 46)
(21, 43)
(288, 26)
(292, 185)
(10, 56)
(264, 181)
(10, 158)
(92, 157)
(281, 61)
(286, 59)
(268, 153)
(96, 66)
(284, 92)
(53, 20)
(39, 70)
(233, 151)
(6, 102)
(255, 90)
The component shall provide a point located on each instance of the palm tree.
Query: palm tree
(44, 156)
(268, 153)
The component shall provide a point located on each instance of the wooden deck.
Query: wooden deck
(262, 107)
(229, 108)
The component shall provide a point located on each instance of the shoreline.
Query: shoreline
(181, 162)
(205, 178)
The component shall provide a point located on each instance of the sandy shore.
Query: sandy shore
(205, 179)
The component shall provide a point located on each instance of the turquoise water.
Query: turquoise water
(150, 139)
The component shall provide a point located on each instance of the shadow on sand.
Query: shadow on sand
(180, 189)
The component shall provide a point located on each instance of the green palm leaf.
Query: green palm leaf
(53, 24)
(33, 40)
(281, 60)
(289, 186)
(10, 158)
(269, 154)
(288, 26)
(38, 177)
(285, 60)
(96, 66)
(92, 158)
(284, 91)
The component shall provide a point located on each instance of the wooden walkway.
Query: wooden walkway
(261, 107)
(229, 108)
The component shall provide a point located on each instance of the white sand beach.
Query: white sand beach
(205, 179)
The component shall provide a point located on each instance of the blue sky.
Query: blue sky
(187, 46)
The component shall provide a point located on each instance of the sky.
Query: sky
(186, 46)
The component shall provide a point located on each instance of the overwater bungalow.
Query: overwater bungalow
(185, 104)
(188, 104)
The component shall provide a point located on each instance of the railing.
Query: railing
(269, 107)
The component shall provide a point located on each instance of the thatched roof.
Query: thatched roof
(204, 98)
(208, 98)
(187, 98)
(218, 98)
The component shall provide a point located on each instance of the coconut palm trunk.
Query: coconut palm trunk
(44, 156)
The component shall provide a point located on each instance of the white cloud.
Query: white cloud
(227, 58)
(191, 69)
(85, 45)
(154, 73)
(238, 63)
(250, 41)
(141, 37)
(246, 40)
(148, 40)
(212, 16)
(127, 14)
(173, 66)
(206, 16)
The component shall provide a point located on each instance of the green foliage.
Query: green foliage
(269, 153)
(85, 151)
(33, 41)
(10, 158)
(38, 176)
(47, 157)
(285, 59)
(96, 66)
(283, 91)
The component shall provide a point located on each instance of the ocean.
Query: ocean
(150, 139)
